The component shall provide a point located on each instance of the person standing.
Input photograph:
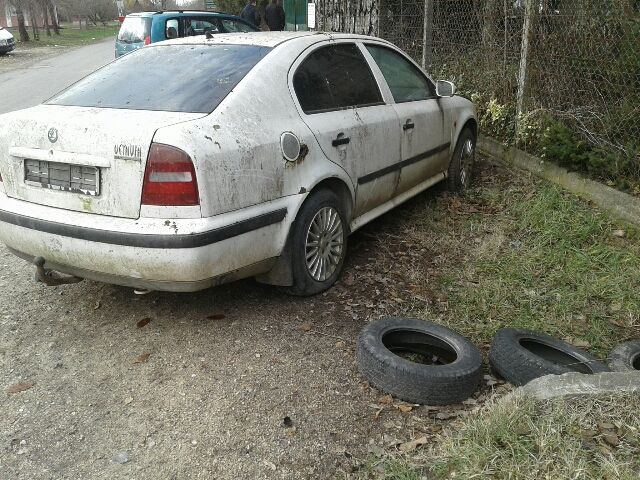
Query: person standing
(274, 16)
(250, 13)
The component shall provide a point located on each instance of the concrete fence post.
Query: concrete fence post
(529, 12)
(427, 33)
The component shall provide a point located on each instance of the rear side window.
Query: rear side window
(406, 82)
(172, 78)
(232, 26)
(199, 26)
(134, 29)
(334, 78)
(171, 29)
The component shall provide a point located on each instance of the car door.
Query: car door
(423, 123)
(340, 101)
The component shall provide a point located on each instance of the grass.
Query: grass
(518, 438)
(517, 251)
(533, 256)
(69, 36)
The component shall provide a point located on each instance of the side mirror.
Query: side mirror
(445, 88)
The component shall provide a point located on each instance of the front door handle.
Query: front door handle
(341, 141)
(409, 125)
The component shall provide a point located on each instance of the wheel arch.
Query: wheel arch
(282, 274)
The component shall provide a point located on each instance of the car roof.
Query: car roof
(261, 39)
(179, 13)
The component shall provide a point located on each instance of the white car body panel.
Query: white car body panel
(5, 34)
(249, 194)
(116, 140)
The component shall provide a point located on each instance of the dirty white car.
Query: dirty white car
(199, 161)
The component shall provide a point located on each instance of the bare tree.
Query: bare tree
(52, 14)
(101, 11)
(19, 6)
(34, 20)
(45, 14)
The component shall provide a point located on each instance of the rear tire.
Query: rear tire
(461, 167)
(319, 245)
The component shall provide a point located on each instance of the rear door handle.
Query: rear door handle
(409, 125)
(341, 141)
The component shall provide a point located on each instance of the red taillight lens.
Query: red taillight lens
(147, 40)
(169, 179)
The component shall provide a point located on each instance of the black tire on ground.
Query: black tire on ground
(304, 283)
(450, 374)
(625, 357)
(520, 356)
(460, 171)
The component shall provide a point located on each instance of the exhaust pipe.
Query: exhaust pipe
(51, 278)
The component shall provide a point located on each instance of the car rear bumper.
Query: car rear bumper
(159, 254)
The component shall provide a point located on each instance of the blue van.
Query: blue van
(139, 29)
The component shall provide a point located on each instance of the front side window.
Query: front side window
(334, 78)
(406, 81)
(170, 78)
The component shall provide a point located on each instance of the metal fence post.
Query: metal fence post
(529, 12)
(427, 32)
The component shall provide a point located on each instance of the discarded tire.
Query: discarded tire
(418, 361)
(520, 356)
(625, 357)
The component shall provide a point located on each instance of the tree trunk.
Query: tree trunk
(46, 17)
(54, 20)
(24, 34)
(34, 21)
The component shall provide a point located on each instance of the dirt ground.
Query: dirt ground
(240, 381)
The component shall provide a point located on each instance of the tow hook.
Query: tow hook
(51, 278)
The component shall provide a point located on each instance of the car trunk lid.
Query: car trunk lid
(81, 159)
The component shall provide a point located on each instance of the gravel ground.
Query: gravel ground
(241, 381)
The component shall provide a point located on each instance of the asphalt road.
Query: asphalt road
(30, 83)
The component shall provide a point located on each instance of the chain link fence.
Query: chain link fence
(558, 78)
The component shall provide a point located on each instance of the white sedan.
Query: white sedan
(198, 161)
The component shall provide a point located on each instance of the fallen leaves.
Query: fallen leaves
(403, 407)
(305, 327)
(577, 342)
(412, 445)
(142, 358)
(144, 322)
(19, 387)
(609, 435)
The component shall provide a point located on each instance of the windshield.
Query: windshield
(134, 29)
(172, 78)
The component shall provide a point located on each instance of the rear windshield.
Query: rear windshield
(134, 29)
(171, 78)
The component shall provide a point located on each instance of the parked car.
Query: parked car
(140, 29)
(7, 43)
(237, 156)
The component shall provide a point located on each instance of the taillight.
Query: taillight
(147, 40)
(170, 178)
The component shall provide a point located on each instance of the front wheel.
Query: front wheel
(319, 243)
(461, 167)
